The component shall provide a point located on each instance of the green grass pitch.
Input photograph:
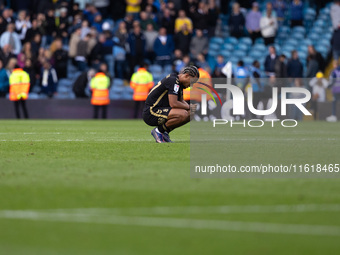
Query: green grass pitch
(105, 187)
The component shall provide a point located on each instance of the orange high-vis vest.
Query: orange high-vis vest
(186, 94)
(100, 84)
(141, 82)
(19, 82)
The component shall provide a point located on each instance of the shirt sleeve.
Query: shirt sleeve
(172, 84)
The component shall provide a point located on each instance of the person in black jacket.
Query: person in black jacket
(236, 22)
(318, 57)
(270, 62)
(82, 82)
(61, 57)
(294, 66)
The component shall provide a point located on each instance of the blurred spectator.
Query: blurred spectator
(75, 39)
(183, 23)
(12, 38)
(82, 53)
(201, 62)
(317, 55)
(82, 82)
(182, 40)
(6, 54)
(218, 67)
(200, 16)
(22, 24)
(270, 62)
(183, 63)
(318, 85)
(122, 34)
(50, 27)
(32, 31)
(136, 41)
(30, 70)
(280, 9)
(35, 44)
(256, 84)
(281, 67)
(312, 66)
(102, 6)
(335, 84)
(199, 44)
(212, 21)
(178, 60)
(90, 13)
(60, 57)
(85, 29)
(168, 21)
(145, 20)
(4, 81)
(253, 22)
(6, 18)
(296, 13)
(268, 25)
(49, 80)
(150, 37)
(119, 55)
(294, 66)
(236, 22)
(133, 7)
(26, 53)
(241, 75)
(335, 15)
(63, 27)
(163, 47)
(128, 20)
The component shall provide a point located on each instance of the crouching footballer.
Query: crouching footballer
(165, 107)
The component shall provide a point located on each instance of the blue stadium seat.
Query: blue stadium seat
(155, 69)
(118, 83)
(242, 47)
(255, 54)
(168, 69)
(298, 36)
(239, 54)
(314, 36)
(299, 29)
(259, 41)
(214, 46)
(225, 53)
(248, 60)
(259, 47)
(229, 47)
(33, 96)
(246, 40)
(212, 53)
(216, 40)
(231, 40)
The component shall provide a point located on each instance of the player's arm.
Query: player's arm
(174, 103)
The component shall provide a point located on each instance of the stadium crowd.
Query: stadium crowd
(49, 39)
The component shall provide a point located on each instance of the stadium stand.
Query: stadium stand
(90, 37)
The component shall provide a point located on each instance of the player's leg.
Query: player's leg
(95, 111)
(177, 118)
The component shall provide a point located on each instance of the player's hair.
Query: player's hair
(191, 70)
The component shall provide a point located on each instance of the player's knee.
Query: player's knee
(185, 116)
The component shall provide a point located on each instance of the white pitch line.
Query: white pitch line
(178, 210)
(252, 227)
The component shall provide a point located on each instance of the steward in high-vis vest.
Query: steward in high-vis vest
(19, 82)
(141, 82)
(100, 85)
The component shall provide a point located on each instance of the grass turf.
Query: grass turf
(46, 165)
